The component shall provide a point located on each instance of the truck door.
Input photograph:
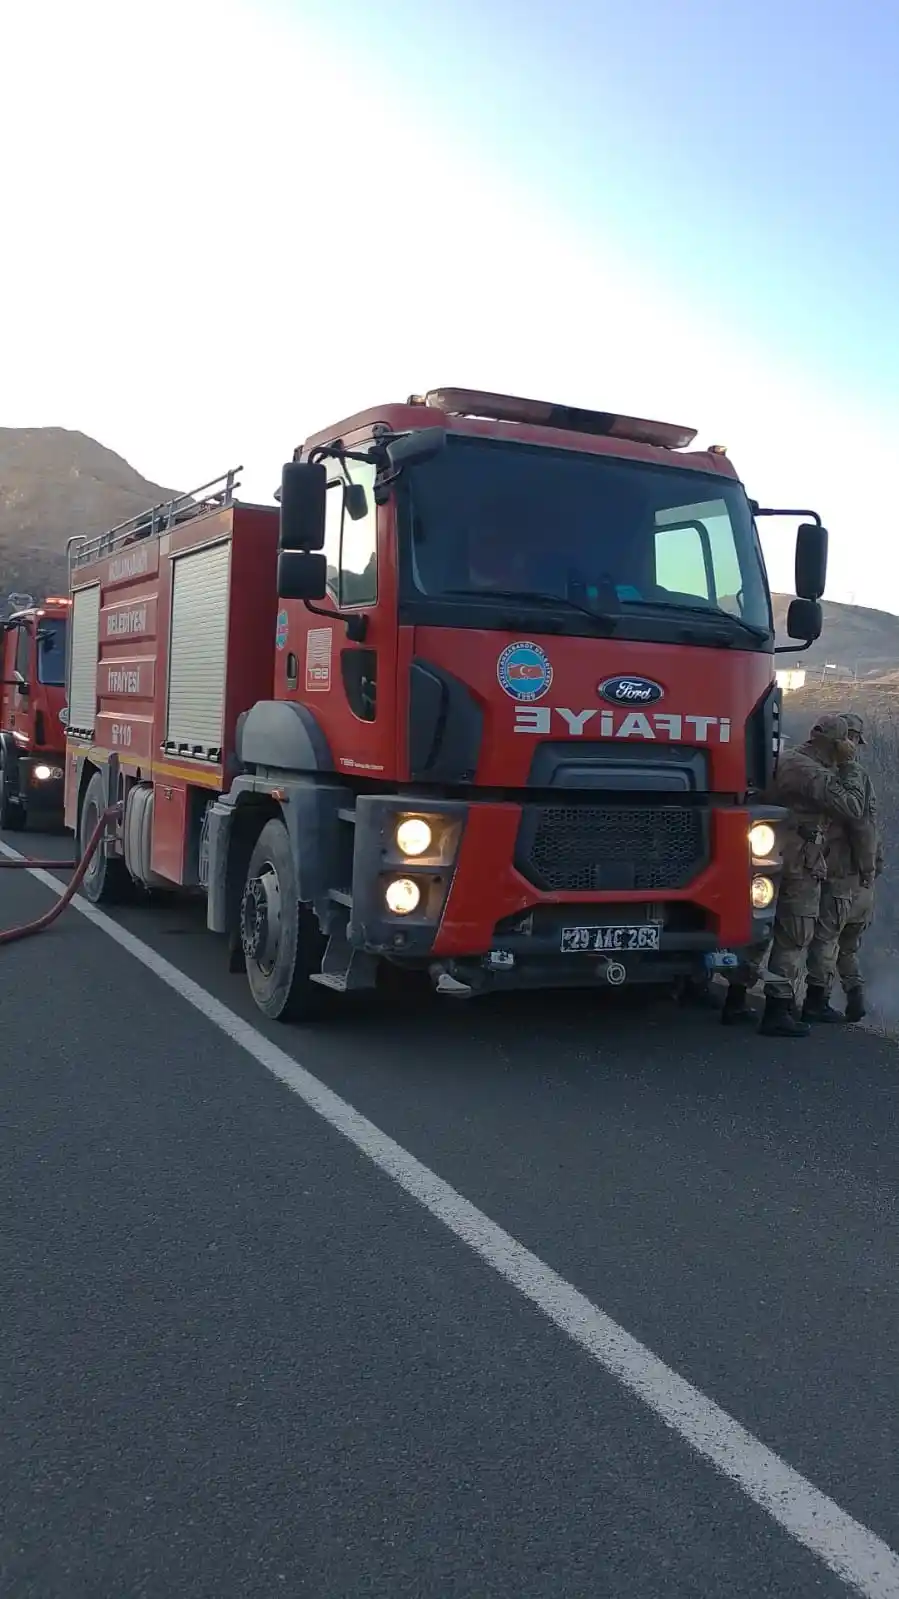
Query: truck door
(17, 677)
(350, 684)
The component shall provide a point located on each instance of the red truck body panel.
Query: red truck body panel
(133, 673)
(702, 708)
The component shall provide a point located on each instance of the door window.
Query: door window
(23, 653)
(351, 546)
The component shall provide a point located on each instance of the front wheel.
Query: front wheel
(281, 939)
(13, 815)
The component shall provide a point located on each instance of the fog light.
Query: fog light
(42, 773)
(761, 893)
(762, 839)
(402, 896)
(414, 836)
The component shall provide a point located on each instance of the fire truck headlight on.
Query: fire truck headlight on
(402, 896)
(43, 773)
(414, 836)
(762, 840)
(762, 893)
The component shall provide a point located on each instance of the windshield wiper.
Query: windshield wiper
(536, 597)
(708, 612)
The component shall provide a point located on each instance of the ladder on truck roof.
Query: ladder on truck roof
(215, 496)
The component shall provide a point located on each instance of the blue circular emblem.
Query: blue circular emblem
(281, 630)
(524, 672)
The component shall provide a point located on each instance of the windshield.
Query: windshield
(51, 652)
(616, 536)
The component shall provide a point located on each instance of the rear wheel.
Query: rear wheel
(107, 880)
(282, 942)
(13, 815)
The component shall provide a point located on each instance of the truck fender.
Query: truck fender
(284, 736)
(321, 843)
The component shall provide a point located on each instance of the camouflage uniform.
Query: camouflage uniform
(820, 783)
(854, 861)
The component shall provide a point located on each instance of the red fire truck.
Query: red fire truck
(32, 712)
(490, 696)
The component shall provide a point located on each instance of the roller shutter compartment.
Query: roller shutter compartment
(84, 653)
(198, 646)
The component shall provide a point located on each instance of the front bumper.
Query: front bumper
(479, 917)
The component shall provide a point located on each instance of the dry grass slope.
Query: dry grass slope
(857, 640)
(53, 484)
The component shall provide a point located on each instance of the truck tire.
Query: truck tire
(13, 815)
(107, 881)
(282, 942)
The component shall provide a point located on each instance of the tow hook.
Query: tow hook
(459, 984)
(445, 983)
(614, 972)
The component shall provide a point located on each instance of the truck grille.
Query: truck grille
(583, 848)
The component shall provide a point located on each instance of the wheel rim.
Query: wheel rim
(90, 823)
(260, 919)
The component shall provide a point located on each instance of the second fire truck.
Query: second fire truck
(32, 712)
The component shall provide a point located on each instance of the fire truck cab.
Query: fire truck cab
(491, 698)
(32, 712)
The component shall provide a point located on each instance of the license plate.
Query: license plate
(610, 940)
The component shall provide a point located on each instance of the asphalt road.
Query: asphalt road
(237, 1360)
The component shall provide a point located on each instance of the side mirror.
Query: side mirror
(811, 561)
(412, 448)
(302, 575)
(805, 620)
(303, 488)
(355, 501)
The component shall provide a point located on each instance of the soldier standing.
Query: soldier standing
(854, 861)
(819, 782)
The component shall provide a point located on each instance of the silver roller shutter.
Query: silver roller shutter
(197, 650)
(84, 652)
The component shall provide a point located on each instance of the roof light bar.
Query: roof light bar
(571, 418)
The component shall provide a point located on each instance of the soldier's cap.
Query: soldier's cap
(831, 729)
(855, 724)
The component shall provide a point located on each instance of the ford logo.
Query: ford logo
(630, 691)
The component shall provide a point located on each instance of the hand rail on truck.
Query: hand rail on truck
(213, 496)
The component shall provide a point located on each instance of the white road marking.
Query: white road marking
(850, 1549)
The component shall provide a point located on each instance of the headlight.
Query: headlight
(761, 893)
(762, 839)
(402, 896)
(42, 773)
(414, 836)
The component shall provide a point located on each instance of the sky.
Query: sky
(234, 222)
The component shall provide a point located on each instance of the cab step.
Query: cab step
(345, 969)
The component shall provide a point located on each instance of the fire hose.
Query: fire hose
(12, 935)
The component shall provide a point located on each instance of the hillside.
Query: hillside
(856, 640)
(53, 484)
